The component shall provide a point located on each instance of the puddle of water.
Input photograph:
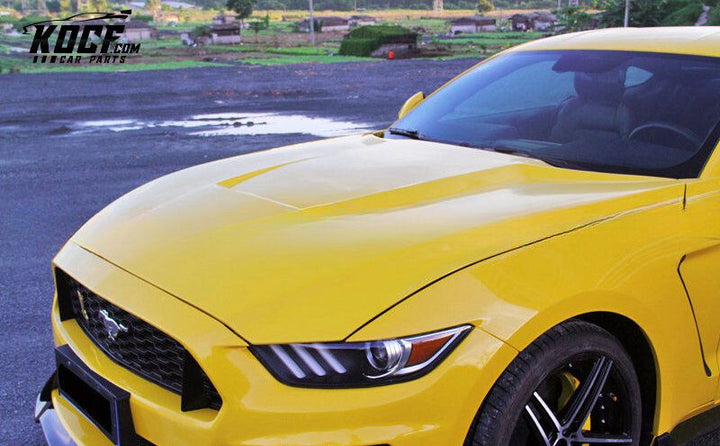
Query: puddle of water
(107, 123)
(237, 124)
(229, 116)
(124, 128)
(280, 124)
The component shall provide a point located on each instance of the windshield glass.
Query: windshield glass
(610, 111)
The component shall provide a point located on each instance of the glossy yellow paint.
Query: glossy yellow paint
(257, 409)
(412, 102)
(364, 238)
(698, 40)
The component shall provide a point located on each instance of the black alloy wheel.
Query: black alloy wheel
(574, 386)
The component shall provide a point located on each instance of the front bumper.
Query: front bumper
(55, 433)
(436, 409)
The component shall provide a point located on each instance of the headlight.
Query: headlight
(358, 364)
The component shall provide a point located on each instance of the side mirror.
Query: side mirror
(411, 103)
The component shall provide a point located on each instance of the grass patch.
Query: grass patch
(230, 48)
(504, 36)
(28, 67)
(291, 50)
(487, 42)
(494, 43)
(297, 59)
(299, 50)
(160, 44)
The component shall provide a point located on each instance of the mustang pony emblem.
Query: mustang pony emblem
(112, 327)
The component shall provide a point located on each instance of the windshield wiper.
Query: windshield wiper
(515, 152)
(404, 132)
(529, 154)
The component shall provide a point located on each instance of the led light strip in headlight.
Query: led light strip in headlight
(358, 364)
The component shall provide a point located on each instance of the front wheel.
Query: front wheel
(573, 386)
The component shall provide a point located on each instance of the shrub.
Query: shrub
(364, 40)
(485, 6)
(358, 47)
(378, 31)
(653, 12)
(575, 18)
(714, 16)
(28, 20)
(683, 13)
(147, 18)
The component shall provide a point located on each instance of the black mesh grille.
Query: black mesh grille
(136, 345)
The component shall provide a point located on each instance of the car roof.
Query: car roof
(697, 40)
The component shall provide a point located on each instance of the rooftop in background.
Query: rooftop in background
(179, 5)
(137, 24)
(700, 40)
(331, 19)
(475, 19)
(535, 15)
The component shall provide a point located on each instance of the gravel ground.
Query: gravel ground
(60, 164)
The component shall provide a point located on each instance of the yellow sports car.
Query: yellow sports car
(529, 256)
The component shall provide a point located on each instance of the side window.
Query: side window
(529, 87)
(636, 76)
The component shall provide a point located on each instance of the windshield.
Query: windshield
(610, 111)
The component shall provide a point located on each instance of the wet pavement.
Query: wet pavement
(71, 143)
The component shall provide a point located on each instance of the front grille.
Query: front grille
(136, 345)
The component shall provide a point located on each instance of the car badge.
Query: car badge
(112, 327)
(83, 311)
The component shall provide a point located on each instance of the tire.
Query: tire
(575, 368)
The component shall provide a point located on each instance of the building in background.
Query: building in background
(213, 35)
(329, 24)
(224, 19)
(362, 20)
(472, 25)
(534, 21)
(137, 30)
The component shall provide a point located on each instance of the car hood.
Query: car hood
(309, 242)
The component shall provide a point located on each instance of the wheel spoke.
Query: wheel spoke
(593, 438)
(539, 430)
(584, 399)
(549, 414)
(537, 409)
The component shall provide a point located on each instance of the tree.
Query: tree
(575, 18)
(152, 5)
(714, 17)
(271, 4)
(683, 12)
(256, 27)
(485, 6)
(643, 13)
(243, 8)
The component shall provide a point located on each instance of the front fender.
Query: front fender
(626, 265)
